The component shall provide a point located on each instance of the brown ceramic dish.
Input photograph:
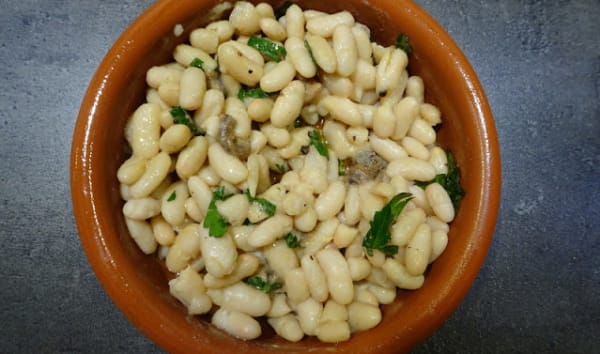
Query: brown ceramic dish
(136, 282)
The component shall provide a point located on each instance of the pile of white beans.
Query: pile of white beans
(362, 97)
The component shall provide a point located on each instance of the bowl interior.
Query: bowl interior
(138, 284)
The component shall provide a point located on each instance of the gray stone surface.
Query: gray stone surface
(539, 290)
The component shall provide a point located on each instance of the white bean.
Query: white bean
(415, 148)
(185, 248)
(296, 285)
(278, 77)
(387, 148)
(212, 105)
(222, 28)
(325, 25)
(294, 21)
(430, 113)
(332, 311)
(270, 230)
(298, 54)
(342, 109)
(156, 170)
(244, 18)
(131, 170)
(400, 276)
(322, 52)
(175, 138)
(157, 75)
(346, 53)
(359, 268)
(172, 203)
(281, 258)
(440, 202)
(192, 157)
(338, 276)
(363, 316)
(279, 306)
(184, 54)
(363, 42)
(389, 70)
(288, 104)
(405, 226)
(344, 236)
(143, 130)
(141, 209)
(333, 331)
(227, 166)
(205, 39)
(287, 327)
(411, 169)
(439, 241)
(422, 131)
(234, 209)
(418, 250)
(415, 88)
(320, 236)
(244, 298)
(240, 67)
(406, 110)
(192, 88)
(309, 313)
(189, 289)
(315, 277)
(331, 201)
(219, 253)
(236, 323)
(142, 234)
(163, 231)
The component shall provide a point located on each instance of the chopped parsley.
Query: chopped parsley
(172, 197)
(403, 43)
(291, 240)
(268, 48)
(197, 63)
(180, 116)
(262, 285)
(379, 234)
(266, 206)
(281, 167)
(316, 140)
(215, 222)
(450, 181)
(310, 52)
(251, 93)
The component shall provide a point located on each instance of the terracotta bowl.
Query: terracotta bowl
(137, 284)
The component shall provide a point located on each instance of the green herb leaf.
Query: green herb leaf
(268, 48)
(403, 43)
(252, 93)
(316, 140)
(266, 206)
(450, 181)
(379, 234)
(197, 63)
(310, 52)
(341, 168)
(215, 222)
(180, 116)
(262, 285)
(291, 240)
(172, 197)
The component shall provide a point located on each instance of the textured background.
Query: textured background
(539, 290)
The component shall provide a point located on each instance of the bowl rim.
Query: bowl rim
(83, 188)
